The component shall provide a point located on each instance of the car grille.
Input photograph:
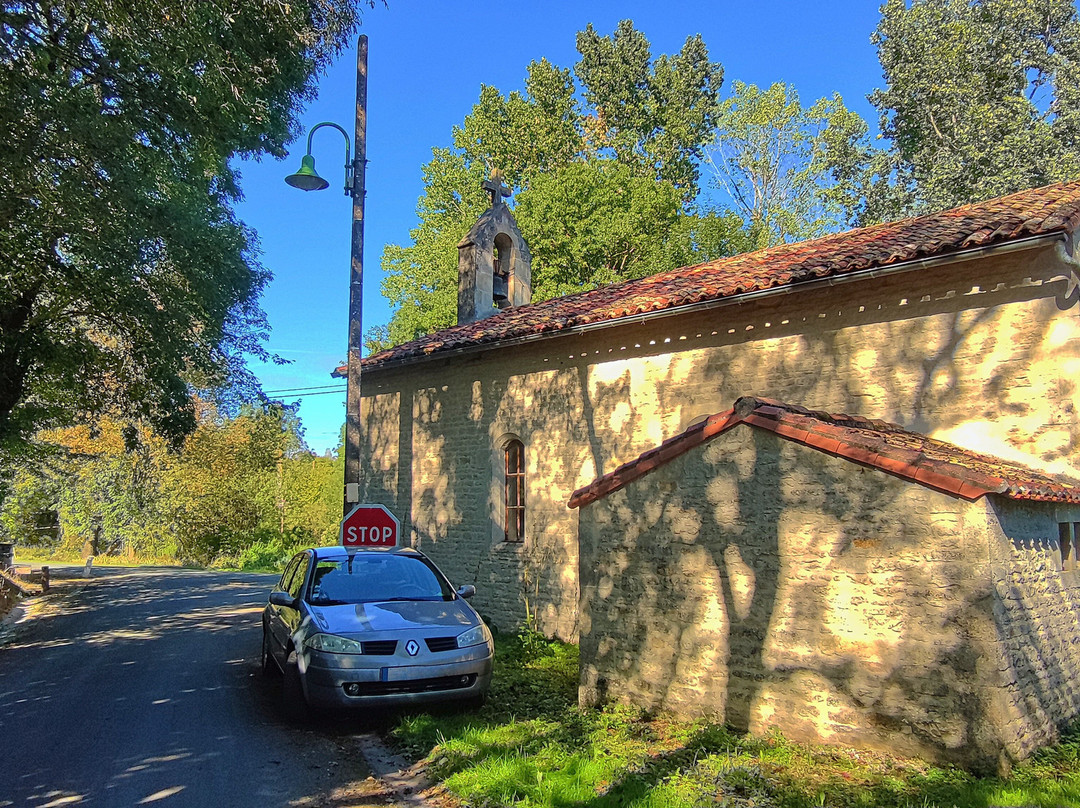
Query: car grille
(378, 647)
(441, 643)
(412, 686)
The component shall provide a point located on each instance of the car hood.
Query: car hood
(453, 616)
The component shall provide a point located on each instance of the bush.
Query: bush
(265, 554)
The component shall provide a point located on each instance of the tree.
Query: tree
(606, 174)
(29, 514)
(241, 490)
(770, 158)
(125, 277)
(421, 278)
(982, 98)
(225, 490)
(655, 115)
(598, 222)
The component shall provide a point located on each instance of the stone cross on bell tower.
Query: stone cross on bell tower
(494, 262)
(495, 188)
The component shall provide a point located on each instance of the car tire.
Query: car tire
(293, 703)
(267, 664)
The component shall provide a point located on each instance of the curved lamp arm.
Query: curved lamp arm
(307, 179)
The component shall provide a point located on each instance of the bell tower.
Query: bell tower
(494, 262)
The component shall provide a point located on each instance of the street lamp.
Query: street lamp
(307, 179)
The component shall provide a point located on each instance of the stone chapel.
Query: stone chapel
(827, 486)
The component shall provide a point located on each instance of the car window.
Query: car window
(377, 577)
(297, 582)
(286, 577)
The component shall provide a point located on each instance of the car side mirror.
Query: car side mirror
(282, 599)
(466, 591)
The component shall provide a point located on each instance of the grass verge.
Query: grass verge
(40, 555)
(531, 747)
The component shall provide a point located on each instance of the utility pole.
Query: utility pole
(356, 286)
(307, 179)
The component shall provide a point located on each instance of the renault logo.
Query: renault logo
(412, 648)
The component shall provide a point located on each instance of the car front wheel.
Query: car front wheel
(269, 667)
(293, 703)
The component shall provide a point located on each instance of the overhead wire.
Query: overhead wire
(298, 389)
(305, 395)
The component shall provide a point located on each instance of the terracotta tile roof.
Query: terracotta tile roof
(1040, 211)
(875, 444)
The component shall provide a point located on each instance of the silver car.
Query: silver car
(381, 627)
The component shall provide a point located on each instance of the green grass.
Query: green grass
(40, 555)
(36, 555)
(531, 747)
(258, 558)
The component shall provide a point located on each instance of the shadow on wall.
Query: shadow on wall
(446, 474)
(1034, 619)
(766, 584)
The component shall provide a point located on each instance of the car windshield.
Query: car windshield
(376, 577)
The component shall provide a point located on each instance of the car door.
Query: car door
(279, 628)
(291, 617)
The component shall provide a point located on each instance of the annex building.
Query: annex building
(826, 486)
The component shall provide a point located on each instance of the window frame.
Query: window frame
(298, 583)
(288, 573)
(514, 501)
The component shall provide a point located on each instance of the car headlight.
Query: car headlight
(474, 636)
(332, 644)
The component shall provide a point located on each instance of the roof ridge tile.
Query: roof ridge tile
(1032, 212)
(873, 443)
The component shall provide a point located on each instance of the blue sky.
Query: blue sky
(426, 63)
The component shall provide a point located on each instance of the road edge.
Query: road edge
(405, 783)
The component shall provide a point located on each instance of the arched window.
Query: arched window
(514, 485)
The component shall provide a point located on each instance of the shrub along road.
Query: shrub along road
(141, 686)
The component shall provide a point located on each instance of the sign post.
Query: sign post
(369, 526)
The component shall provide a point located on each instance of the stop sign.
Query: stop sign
(369, 526)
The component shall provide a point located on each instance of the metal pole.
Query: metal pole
(356, 287)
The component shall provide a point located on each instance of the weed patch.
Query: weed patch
(531, 747)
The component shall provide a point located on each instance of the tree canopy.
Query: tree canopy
(771, 157)
(606, 171)
(981, 99)
(125, 277)
(242, 491)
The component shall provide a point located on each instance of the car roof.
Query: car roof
(337, 551)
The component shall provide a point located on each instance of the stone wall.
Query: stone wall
(448, 492)
(1035, 616)
(763, 583)
(983, 353)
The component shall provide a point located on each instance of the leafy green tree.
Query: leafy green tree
(29, 515)
(99, 484)
(982, 98)
(598, 222)
(242, 491)
(224, 491)
(618, 156)
(110, 496)
(654, 114)
(125, 276)
(770, 157)
(421, 278)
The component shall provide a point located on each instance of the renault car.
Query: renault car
(373, 627)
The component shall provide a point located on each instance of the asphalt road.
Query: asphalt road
(142, 687)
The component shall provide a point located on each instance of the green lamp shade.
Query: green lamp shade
(307, 179)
